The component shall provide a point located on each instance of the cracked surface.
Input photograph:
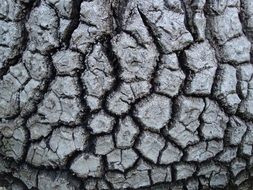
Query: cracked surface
(115, 94)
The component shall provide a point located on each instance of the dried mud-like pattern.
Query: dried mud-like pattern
(126, 94)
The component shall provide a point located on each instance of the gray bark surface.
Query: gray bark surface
(126, 94)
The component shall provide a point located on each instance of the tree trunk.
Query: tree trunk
(126, 94)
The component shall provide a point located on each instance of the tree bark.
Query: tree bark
(126, 94)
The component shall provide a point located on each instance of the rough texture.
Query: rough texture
(126, 94)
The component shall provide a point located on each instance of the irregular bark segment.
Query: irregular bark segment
(101, 123)
(37, 65)
(97, 77)
(10, 42)
(167, 23)
(104, 144)
(184, 171)
(215, 176)
(67, 62)
(28, 175)
(215, 121)
(225, 88)
(169, 82)
(10, 93)
(64, 7)
(38, 128)
(235, 131)
(87, 165)
(183, 129)
(154, 112)
(237, 166)
(236, 50)
(247, 19)
(246, 84)
(127, 133)
(204, 150)
(95, 21)
(227, 31)
(136, 62)
(170, 154)
(119, 101)
(62, 144)
(201, 60)
(13, 143)
(150, 145)
(140, 177)
(12, 10)
(121, 159)
(182, 135)
(230, 19)
(43, 29)
(55, 109)
(56, 180)
(196, 18)
(228, 154)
